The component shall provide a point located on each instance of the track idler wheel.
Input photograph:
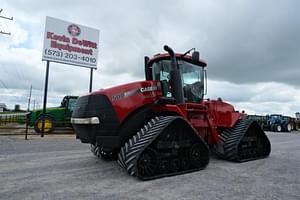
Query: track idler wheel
(147, 163)
(196, 155)
(175, 165)
(99, 152)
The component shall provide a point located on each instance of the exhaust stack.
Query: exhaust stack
(175, 78)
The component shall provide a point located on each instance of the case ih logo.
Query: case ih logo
(74, 30)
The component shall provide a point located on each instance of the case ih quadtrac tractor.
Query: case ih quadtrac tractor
(163, 126)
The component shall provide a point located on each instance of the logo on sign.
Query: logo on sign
(74, 30)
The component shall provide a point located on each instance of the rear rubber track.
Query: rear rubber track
(244, 142)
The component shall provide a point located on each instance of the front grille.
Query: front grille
(95, 106)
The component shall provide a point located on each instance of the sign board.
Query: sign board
(70, 43)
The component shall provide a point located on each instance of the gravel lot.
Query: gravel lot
(60, 167)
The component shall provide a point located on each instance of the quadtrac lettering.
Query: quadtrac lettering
(149, 89)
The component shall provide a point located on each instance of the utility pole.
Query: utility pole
(29, 98)
(33, 104)
(7, 18)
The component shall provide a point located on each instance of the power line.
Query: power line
(7, 18)
(5, 33)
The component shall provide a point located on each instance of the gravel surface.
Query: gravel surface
(61, 167)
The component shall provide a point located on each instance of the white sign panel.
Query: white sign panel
(69, 43)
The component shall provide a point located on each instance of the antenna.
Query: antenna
(7, 18)
(188, 52)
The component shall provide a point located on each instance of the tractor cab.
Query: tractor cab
(190, 78)
(69, 102)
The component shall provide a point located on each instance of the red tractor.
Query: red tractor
(163, 126)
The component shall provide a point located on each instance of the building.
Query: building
(2, 107)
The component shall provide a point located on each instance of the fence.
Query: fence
(13, 118)
(20, 124)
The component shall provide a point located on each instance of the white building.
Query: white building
(2, 107)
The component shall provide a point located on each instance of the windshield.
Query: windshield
(192, 78)
(72, 103)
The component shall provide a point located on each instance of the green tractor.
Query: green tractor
(260, 119)
(54, 117)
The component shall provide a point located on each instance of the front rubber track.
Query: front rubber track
(165, 146)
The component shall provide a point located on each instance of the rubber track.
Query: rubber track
(231, 138)
(132, 149)
(95, 150)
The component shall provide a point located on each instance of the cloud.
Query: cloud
(256, 44)
(17, 37)
(251, 47)
(259, 98)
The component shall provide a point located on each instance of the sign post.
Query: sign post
(91, 80)
(69, 43)
(45, 97)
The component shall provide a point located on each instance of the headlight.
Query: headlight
(90, 120)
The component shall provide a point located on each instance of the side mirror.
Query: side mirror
(146, 59)
(147, 70)
(195, 56)
(205, 82)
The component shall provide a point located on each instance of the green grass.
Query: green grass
(12, 112)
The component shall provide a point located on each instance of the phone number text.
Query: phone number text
(69, 56)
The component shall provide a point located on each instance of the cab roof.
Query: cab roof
(179, 56)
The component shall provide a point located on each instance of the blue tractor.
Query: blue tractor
(278, 123)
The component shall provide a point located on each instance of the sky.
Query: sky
(252, 48)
